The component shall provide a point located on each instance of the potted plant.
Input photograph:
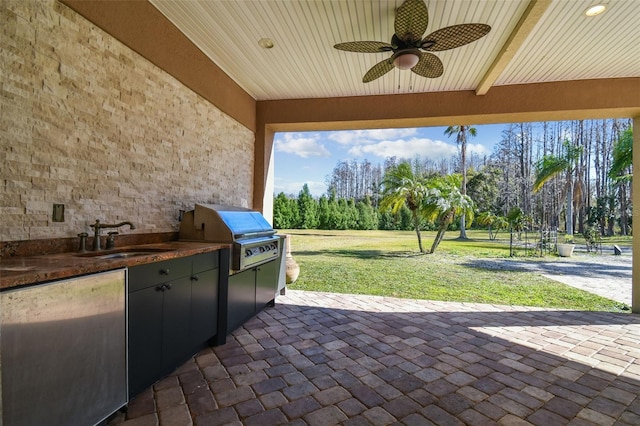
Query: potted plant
(566, 249)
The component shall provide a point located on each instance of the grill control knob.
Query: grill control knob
(247, 253)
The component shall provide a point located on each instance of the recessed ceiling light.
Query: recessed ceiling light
(266, 43)
(595, 10)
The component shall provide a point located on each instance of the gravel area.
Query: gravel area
(604, 274)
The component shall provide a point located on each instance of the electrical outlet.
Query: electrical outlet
(58, 213)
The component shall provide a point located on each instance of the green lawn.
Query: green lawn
(387, 263)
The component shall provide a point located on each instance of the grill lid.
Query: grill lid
(220, 223)
(244, 222)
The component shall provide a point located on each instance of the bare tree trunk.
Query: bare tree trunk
(570, 207)
(622, 192)
(611, 216)
(588, 149)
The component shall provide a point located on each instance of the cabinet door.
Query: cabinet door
(266, 284)
(176, 322)
(241, 303)
(145, 338)
(204, 306)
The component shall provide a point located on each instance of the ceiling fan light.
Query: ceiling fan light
(266, 43)
(406, 61)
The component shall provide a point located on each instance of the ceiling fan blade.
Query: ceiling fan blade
(378, 70)
(429, 66)
(364, 46)
(454, 36)
(411, 20)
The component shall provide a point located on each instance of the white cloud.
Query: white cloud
(422, 147)
(364, 137)
(293, 188)
(304, 146)
(477, 148)
(415, 147)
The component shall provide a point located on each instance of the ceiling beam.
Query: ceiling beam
(564, 100)
(527, 22)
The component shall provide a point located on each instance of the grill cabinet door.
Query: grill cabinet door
(241, 303)
(266, 284)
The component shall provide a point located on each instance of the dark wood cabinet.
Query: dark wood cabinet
(204, 320)
(176, 324)
(173, 311)
(249, 292)
(241, 299)
(266, 284)
(145, 338)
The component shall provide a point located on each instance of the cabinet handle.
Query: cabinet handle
(160, 287)
(194, 278)
(164, 271)
(167, 286)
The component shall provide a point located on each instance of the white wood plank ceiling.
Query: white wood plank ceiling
(555, 42)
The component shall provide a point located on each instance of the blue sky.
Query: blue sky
(310, 157)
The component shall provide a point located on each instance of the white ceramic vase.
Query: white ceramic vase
(292, 267)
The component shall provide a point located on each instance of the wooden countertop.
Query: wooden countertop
(18, 271)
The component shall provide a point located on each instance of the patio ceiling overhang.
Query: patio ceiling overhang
(543, 60)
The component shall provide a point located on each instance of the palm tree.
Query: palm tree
(550, 166)
(494, 222)
(621, 173)
(461, 140)
(622, 157)
(444, 202)
(400, 187)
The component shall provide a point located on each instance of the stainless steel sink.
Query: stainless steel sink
(17, 268)
(123, 254)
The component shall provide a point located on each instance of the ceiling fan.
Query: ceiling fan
(410, 49)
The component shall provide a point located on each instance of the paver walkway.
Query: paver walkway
(321, 359)
(603, 274)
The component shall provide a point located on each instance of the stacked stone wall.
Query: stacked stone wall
(88, 123)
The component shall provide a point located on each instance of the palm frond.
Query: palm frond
(623, 179)
(443, 199)
(547, 168)
(622, 156)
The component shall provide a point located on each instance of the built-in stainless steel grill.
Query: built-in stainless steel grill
(252, 238)
(254, 263)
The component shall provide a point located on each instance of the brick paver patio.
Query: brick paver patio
(321, 359)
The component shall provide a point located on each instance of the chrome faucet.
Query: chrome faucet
(98, 226)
